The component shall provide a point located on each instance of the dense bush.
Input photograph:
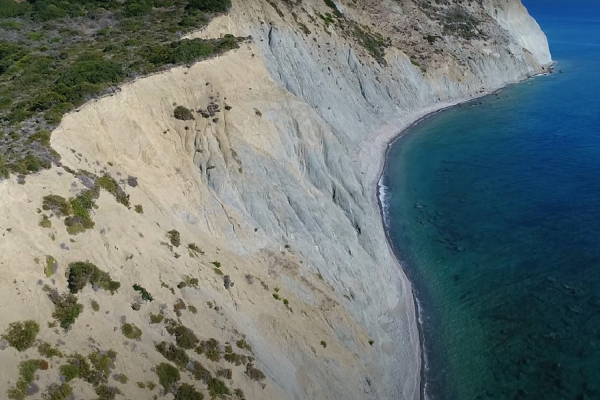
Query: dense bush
(58, 392)
(182, 113)
(82, 273)
(145, 295)
(174, 237)
(188, 50)
(188, 392)
(167, 375)
(254, 373)
(21, 335)
(77, 366)
(217, 387)
(130, 331)
(184, 336)
(66, 308)
(199, 372)
(210, 5)
(57, 204)
(106, 392)
(173, 353)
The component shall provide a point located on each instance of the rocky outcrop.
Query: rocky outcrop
(279, 183)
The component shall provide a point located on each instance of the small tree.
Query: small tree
(183, 113)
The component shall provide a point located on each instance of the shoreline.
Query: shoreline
(372, 154)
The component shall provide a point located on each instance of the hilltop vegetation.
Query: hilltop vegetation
(57, 54)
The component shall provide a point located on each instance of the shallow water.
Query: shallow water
(494, 208)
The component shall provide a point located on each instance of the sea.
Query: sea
(493, 208)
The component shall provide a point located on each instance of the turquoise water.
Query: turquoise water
(494, 208)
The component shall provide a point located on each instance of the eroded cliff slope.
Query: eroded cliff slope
(271, 183)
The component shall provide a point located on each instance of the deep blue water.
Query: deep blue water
(494, 208)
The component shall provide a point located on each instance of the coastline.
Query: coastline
(372, 156)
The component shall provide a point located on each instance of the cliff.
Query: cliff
(276, 190)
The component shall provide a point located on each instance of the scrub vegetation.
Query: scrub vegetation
(57, 54)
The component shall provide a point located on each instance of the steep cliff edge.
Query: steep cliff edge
(277, 188)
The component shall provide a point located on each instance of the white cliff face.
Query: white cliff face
(281, 186)
(512, 16)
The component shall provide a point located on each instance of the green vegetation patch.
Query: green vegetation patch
(188, 392)
(174, 237)
(184, 336)
(45, 222)
(217, 388)
(51, 266)
(27, 370)
(58, 392)
(21, 335)
(45, 349)
(130, 331)
(145, 295)
(57, 204)
(173, 353)
(167, 375)
(81, 207)
(112, 186)
(57, 54)
(66, 308)
(182, 113)
(81, 274)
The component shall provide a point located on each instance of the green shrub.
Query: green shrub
(112, 186)
(81, 207)
(81, 273)
(105, 392)
(95, 306)
(210, 5)
(193, 309)
(21, 335)
(27, 370)
(45, 222)
(51, 266)
(254, 373)
(199, 372)
(173, 353)
(92, 68)
(234, 358)
(77, 366)
(139, 209)
(123, 379)
(210, 349)
(66, 308)
(57, 204)
(242, 344)
(217, 387)
(130, 331)
(323, 343)
(156, 318)
(58, 392)
(145, 295)
(218, 271)
(182, 113)
(167, 375)
(174, 237)
(46, 350)
(225, 373)
(184, 336)
(188, 392)
(103, 363)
